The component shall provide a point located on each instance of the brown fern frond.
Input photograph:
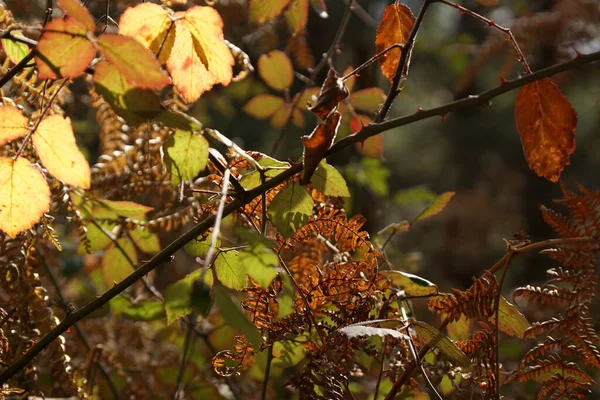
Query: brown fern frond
(552, 295)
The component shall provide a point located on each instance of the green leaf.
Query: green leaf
(235, 317)
(412, 285)
(510, 319)
(275, 68)
(435, 207)
(15, 51)
(199, 247)
(117, 264)
(329, 181)
(260, 263)
(178, 296)
(434, 338)
(127, 209)
(419, 195)
(273, 168)
(230, 270)
(146, 240)
(263, 106)
(98, 236)
(200, 298)
(146, 311)
(291, 209)
(185, 156)
(368, 100)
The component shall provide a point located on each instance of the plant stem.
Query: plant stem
(265, 384)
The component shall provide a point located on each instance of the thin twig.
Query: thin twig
(265, 384)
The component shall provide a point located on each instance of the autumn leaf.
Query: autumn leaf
(75, 10)
(396, 23)
(297, 15)
(13, 124)
(133, 60)
(331, 94)
(435, 207)
(261, 11)
(55, 144)
(372, 146)
(63, 50)
(546, 123)
(186, 154)
(317, 144)
(368, 100)
(510, 319)
(263, 106)
(275, 68)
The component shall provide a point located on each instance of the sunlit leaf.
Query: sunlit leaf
(139, 67)
(367, 100)
(260, 263)
(261, 11)
(24, 195)
(63, 50)
(186, 154)
(317, 144)
(13, 124)
(510, 319)
(459, 329)
(145, 311)
(178, 296)
(332, 92)
(127, 209)
(118, 263)
(275, 68)
(297, 15)
(199, 247)
(434, 338)
(235, 317)
(329, 181)
(546, 123)
(74, 9)
(290, 209)
(413, 285)
(55, 144)
(145, 240)
(15, 51)
(272, 168)
(396, 23)
(435, 207)
(230, 271)
(263, 106)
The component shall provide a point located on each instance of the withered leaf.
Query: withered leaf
(332, 92)
(546, 123)
(396, 23)
(317, 144)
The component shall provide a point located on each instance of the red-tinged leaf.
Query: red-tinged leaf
(317, 144)
(150, 24)
(13, 124)
(332, 92)
(263, 106)
(75, 10)
(133, 61)
(297, 15)
(128, 101)
(320, 7)
(261, 11)
(546, 123)
(63, 49)
(435, 207)
(367, 100)
(275, 68)
(396, 23)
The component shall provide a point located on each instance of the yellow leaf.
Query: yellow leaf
(24, 195)
(275, 68)
(13, 124)
(76, 10)
(297, 15)
(118, 263)
(261, 11)
(55, 144)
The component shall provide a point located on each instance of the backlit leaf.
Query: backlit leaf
(275, 68)
(317, 144)
(74, 9)
(297, 15)
(145, 240)
(260, 263)
(367, 100)
(139, 67)
(13, 124)
(55, 144)
(24, 195)
(64, 51)
(332, 92)
(290, 209)
(546, 123)
(413, 285)
(261, 11)
(199, 247)
(396, 23)
(146, 311)
(127, 209)
(434, 338)
(235, 317)
(329, 181)
(459, 329)
(510, 319)
(15, 51)
(186, 154)
(230, 270)
(117, 263)
(372, 146)
(178, 296)
(435, 207)
(263, 106)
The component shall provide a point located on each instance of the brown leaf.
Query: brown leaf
(332, 92)
(546, 123)
(396, 23)
(317, 144)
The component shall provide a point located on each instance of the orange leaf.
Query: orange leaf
(64, 51)
(24, 195)
(317, 144)
(396, 23)
(261, 11)
(275, 68)
(263, 106)
(332, 92)
(149, 23)
(55, 144)
(75, 10)
(297, 15)
(372, 146)
(13, 124)
(282, 115)
(135, 62)
(546, 123)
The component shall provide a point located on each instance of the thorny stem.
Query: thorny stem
(167, 253)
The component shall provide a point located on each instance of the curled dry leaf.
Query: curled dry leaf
(332, 92)
(317, 144)
(546, 123)
(396, 23)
